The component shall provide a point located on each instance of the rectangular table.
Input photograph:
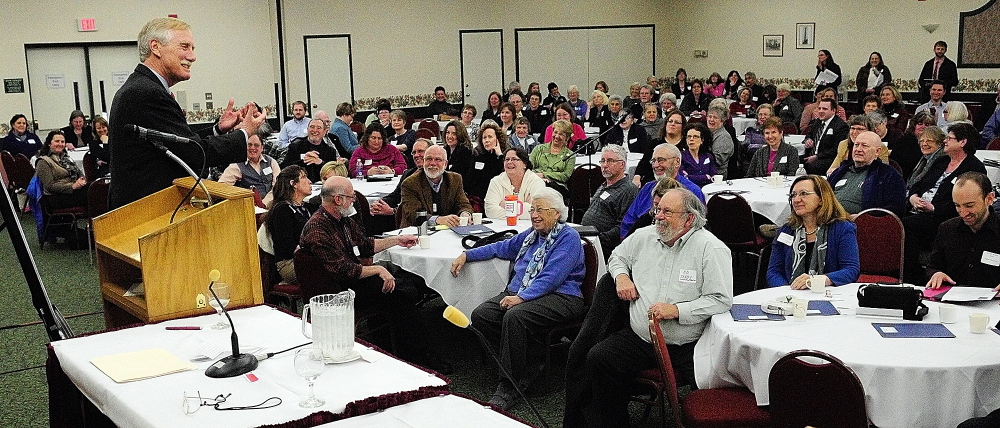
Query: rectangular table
(157, 402)
(443, 411)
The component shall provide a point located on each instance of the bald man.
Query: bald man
(865, 181)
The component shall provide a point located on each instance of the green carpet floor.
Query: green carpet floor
(72, 284)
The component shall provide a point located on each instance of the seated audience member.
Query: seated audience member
(520, 137)
(907, 150)
(601, 86)
(931, 148)
(633, 96)
(382, 109)
(697, 161)
(871, 103)
(867, 182)
(654, 84)
(517, 101)
(598, 114)
(651, 121)
(770, 94)
(809, 112)
(629, 134)
(715, 87)
(673, 133)
(492, 110)
(565, 112)
(756, 90)
(435, 190)
(856, 125)
(296, 127)
(647, 218)
(885, 133)
(896, 113)
(965, 250)
(440, 104)
(63, 183)
(787, 107)
(696, 101)
(544, 290)
(573, 98)
(458, 145)
(487, 162)
(826, 131)
(534, 87)
(548, 158)
(615, 107)
(512, 87)
(471, 127)
(723, 145)
(955, 112)
(936, 105)
(400, 137)
(286, 215)
(733, 85)
(376, 156)
(20, 139)
(930, 197)
(388, 204)
(99, 149)
(341, 127)
(536, 113)
(310, 152)
(611, 201)
(508, 115)
(666, 161)
(681, 86)
(518, 180)
(742, 106)
(667, 103)
(330, 138)
(646, 94)
(258, 172)
(614, 344)
(554, 97)
(753, 136)
(777, 156)
(329, 236)
(77, 133)
(819, 237)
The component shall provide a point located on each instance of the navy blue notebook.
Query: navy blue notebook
(743, 312)
(825, 307)
(912, 330)
(473, 229)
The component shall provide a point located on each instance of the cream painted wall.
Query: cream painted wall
(234, 41)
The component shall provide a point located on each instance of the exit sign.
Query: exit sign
(87, 24)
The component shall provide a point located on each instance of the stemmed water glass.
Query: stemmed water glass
(222, 291)
(309, 364)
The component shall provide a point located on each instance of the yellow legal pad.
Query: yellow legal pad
(139, 365)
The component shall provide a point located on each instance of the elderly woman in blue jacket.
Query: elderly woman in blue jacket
(818, 239)
(544, 289)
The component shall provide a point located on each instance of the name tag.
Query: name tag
(357, 252)
(543, 112)
(688, 275)
(754, 99)
(990, 258)
(841, 183)
(895, 115)
(784, 108)
(783, 159)
(434, 208)
(302, 156)
(266, 170)
(707, 161)
(785, 238)
(479, 165)
(632, 140)
(32, 141)
(953, 180)
(604, 195)
(829, 131)
(368, 161)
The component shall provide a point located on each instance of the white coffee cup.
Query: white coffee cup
(477, 218)
(717, 178)
(978, 322)
(817, 283)
(948, 313)
(463, 221)
(425, 241)
(775, 174)
(799, 308)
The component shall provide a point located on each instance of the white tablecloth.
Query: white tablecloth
(794, 140)
(157, 402)
(908, 382)
(367, 188)
(772, 202)
(742, 123)
(442, 411)
(992, 172)
(478, 282)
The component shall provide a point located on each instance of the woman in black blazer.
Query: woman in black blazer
(492, 110)
(78, 134)
(824, 63)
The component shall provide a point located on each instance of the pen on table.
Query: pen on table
(184, 328)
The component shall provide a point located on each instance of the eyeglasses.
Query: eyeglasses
(533, 210)
(665, 212)
(609, 161)
(950, 137)
(351, 197)
(191, 405)
(427, 159)
(858, 129)
(801, 194)
(511, 159)
(655, 161)
(693, 137)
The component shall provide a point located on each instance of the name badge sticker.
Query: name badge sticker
(990, 258)
(604, 195)
(829, 131)
(480, 165)
(632, 140)
(754, 99)
(543, 113)
(784, 108)
(895, 115)
(688, 275)
(785, 238)
(841, 183)
(266, 170)
(368, 161)
(783, 159)
(357, 252)
(707, 161)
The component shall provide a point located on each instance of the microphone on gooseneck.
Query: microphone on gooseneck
(155, 136)
(236, 364)
(455, 316)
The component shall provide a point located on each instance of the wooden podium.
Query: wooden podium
(138, 243)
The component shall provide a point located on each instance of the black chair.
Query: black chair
(97, 204)
(59, 217)
(584, 181)
(791, 379)
(569, 329)
(730, 219)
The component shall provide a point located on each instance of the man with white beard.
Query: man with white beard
(435, 190)
(666, 163)
(678, 273)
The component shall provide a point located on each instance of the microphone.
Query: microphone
(236, 364)
(455, 316)
(155, 136)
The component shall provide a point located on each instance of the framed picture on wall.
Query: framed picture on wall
(805, 35)
(774, 45)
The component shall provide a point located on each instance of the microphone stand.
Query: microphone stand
(236, 364)
(592, 140)
(496, 359)
(179, 161)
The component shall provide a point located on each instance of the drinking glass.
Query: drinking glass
(309, 365)
(222, 291)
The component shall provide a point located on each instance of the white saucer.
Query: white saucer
(351, 356)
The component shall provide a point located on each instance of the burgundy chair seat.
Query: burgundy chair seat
(723, 408)
(287, 289)
(866, 278)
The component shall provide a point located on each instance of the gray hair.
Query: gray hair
(646, 87)
(158, 29)
(784, 87)
(692, 205)
(722, 112)
(555, 199)
(668, 96)
(618, 150)
(672, 149)
(957, 111)
(877, 118)
(514, 85)
(614, 98)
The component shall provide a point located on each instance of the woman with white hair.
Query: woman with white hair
(598, 113)
(579, 105)
(544, 289)
(955, 112)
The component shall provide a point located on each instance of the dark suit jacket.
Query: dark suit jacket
(828, 141)
(139, 169)
(948, 73)
(417, 195)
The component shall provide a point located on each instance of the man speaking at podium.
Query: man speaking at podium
(138, 168)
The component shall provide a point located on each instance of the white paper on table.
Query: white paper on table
(826, 76)
(139, 365)
(968, 294)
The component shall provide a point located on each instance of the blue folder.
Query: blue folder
(825, 307)
(912, 330)
(743, 312)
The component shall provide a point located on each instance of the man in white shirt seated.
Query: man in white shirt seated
(296, 127)
(936, 104)
(259, 171)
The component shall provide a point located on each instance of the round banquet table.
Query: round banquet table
(771, 202)
(991, 171)
(478, 281)
(373, 190)
(908, 382)
(742, 123)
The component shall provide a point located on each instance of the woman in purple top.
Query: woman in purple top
(697, 162)
(375, 155)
